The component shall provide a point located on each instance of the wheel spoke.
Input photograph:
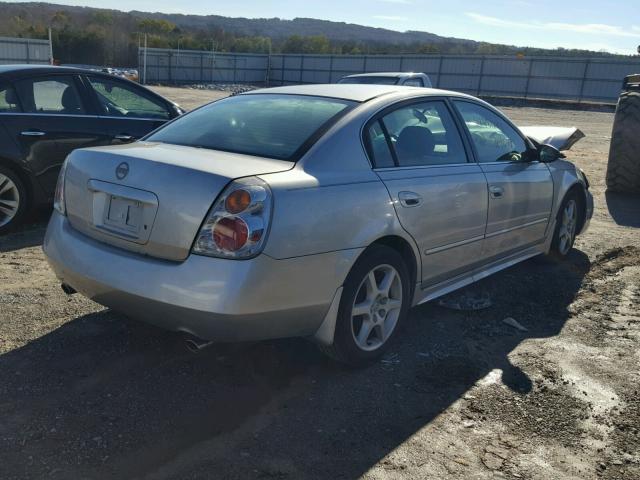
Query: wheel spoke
(372, 285)
(363, 308)
(13, 204)
(365, 331)
(393, 304)
(387, 282)
(5, 184)
(7, 211)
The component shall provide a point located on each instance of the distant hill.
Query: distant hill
(110, 37)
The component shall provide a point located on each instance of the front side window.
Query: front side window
(266, 125)
(495, 140)
(118, 99)
(419, 134)
(8, 99)
(54, 95)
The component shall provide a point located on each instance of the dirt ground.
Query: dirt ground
(86, 393)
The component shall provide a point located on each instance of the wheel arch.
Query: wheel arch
(580, 192)
(408, 253)
(24, 176)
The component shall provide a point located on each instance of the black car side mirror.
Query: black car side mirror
(548, 153)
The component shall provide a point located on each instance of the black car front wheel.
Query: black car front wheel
(13, 199)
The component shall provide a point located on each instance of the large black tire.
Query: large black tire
(345, 348)
(12, 190)
(623, 169)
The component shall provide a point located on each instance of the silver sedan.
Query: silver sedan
(320, 211)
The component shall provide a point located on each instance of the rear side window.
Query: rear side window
(267, 125)
(8, 99)
(413, 82)
(419, 134)
(117, 99)
(55, 94)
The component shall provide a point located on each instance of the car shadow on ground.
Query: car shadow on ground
(103, 396)
(28, 234)
(624, 209)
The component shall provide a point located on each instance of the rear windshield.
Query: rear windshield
(370, 80)
(266, 125)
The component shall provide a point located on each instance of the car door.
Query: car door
(51, 118)
(130, 111)
(520, 188)
(439, 195)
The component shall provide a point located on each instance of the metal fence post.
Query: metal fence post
(169, 58)
(526, 87)
(480, 77)
(587, 63)
(201, 67)
(301, 68)
(439, 71)
(401, 68)
(331, 69)
(364, 64)
(235, 68)
(283, 58)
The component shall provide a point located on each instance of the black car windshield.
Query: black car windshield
(266, 125)
(370, 80)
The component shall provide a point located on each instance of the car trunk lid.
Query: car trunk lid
(151, 198)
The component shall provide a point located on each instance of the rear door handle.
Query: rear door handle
(496, 192)
(123, 137)
(409, 199)
(33, 133)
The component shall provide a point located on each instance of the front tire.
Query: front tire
(13, 199)
(564, 235)
(375, 301)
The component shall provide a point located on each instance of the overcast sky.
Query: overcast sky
(610, 25)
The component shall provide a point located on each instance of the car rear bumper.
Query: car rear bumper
(211, 298)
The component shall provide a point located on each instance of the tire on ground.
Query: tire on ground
(344, 348)
(623, 169)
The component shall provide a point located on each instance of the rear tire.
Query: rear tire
(13, 199)
(623, 169)
(374, 303)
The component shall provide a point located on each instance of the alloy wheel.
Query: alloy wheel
(567, 230)
(376, 307)
(9, 200)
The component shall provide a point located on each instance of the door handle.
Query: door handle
(496, 192)
(409, 199)
(123, 137)
(32, 133)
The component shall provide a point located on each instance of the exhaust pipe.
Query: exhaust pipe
(68, 289)
(195, 345)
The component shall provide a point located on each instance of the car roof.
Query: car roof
(17, 71)
(353, 92)
(384, 74)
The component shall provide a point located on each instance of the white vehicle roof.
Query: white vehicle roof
(353, 92)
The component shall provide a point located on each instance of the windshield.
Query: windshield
(370, 80)
(266, 125)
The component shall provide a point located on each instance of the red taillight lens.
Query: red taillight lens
(230, 233)
(237, 201)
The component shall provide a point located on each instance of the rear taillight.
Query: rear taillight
(58, 198)
(237, 224)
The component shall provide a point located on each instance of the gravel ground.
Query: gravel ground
(86, 393)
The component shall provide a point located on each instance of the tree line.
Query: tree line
(111, 38)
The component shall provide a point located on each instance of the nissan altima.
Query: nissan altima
(319, 211)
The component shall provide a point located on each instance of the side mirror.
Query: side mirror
(548, 153)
